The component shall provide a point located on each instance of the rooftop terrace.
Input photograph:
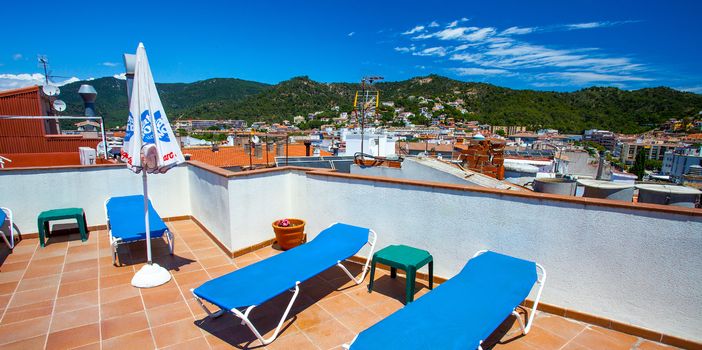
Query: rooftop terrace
(69, 295)
(617, 267)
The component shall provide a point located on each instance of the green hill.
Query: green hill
(596, 107)
(177, 99)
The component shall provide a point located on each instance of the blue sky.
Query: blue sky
(546, 45)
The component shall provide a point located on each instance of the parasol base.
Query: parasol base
(150, 275)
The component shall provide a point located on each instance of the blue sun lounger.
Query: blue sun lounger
(125, 222)
(255, 284)
(6, 213)
(463, 311)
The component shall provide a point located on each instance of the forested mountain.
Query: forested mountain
(595, 107)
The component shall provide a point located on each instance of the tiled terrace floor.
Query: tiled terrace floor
(69, 295)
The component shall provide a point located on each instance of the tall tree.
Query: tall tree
(639, 166)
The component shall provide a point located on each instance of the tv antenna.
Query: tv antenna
(48, 76)
(369, 100)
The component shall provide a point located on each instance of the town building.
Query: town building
(605, 138)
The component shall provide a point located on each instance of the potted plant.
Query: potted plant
(289, 233)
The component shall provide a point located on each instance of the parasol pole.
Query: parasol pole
(146, 216)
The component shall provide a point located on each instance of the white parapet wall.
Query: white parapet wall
(29, 192)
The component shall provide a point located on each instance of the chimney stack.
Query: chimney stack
(307, 147)
(88, 94)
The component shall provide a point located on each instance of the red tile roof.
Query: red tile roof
(229, 156)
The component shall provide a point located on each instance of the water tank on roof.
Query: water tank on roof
(607, 190)
(668, 195)
(561, 186)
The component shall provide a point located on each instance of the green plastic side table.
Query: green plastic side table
(404, 258)
(61, 214)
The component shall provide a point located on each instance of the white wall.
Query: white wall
(29, 192)
(209, 202)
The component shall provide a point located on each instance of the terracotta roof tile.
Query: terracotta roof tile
(229, 156)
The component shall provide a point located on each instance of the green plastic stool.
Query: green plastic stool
(61, 214)
(405, 258)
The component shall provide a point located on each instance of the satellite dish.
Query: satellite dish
(50, 90)
(59, 106)
(255, 139)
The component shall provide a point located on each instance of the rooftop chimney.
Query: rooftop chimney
(307, 147)
(88, 94)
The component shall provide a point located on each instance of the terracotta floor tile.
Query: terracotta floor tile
(169, 313)
(296, 340)
(574, 346)
(220, 270)
(339, 304)
(594, 337)
(39, 282)
(75, 318)
(41, 271)
(26, 344)
(208, 252)
(93, 346)
(73, 288)
(358, 320)
(23, 330)
(214, 261)
(161, 296)
(116, 279)
(8, 287)
(246, 259)
(175, 333)
(541, 337)
(137, 340)
(16, 266)
(26, 312)
(199, 276)
(79, 275)
(386, 308)
(32, 296)
(41, 259)
(562, 327)
(74, 337)
(121, 307)
(77, 301)
(329, 334)
(108, 295)
(516, 345)
(12, 276)
(117, 326)
(192, 344)
(311, 317)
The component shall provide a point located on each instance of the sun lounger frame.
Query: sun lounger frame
(10, 243)
(244, 316)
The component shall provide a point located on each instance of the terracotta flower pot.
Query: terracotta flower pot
(291, 236)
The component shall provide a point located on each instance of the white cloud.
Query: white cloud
(120, 76)
(405, 49)
(695, 89)
(588, 25)
(17, 56)
(584, 78)
(432, 51)
(109, 64)
(460, 34)
(416, 29)
(480, 71)
(433, 24)
(492, 51)
(351, 33)
(518, 30)
(15, 81)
